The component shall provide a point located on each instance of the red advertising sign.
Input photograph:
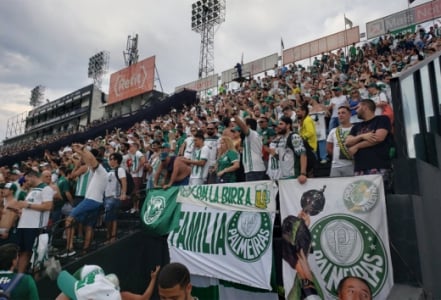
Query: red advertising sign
(427, 11)
(132, 81)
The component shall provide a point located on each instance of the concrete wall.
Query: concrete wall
(131, 258)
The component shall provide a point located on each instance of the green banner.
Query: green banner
(404, 30)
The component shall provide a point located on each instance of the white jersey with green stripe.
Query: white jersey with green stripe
(82, 183)
(252, 153)
(31, 218)
(200, 172)
(136, 160)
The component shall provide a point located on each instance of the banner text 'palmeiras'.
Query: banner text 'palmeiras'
(231, 245)
(342, 224)
(229, 228)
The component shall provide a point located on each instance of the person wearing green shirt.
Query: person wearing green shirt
(181, 136)
(23, 286)
(65, 193)
(228, 161)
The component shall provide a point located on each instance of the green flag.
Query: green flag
(160, 212)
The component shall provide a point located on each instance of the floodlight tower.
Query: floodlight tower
(98, 66)
(131, 54)
(205, 16)
(37, 95)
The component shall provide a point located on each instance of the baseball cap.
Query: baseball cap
(15, 172)
(237, 128)
(373, 84)
(89, 282)
(11, 186)
(163, 156)
(165, 145)
(67, 149)
(336, 88)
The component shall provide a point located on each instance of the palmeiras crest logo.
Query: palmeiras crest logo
(361, 196)
(249, 235)
(345, 245)
(154, 209)
(186, 190)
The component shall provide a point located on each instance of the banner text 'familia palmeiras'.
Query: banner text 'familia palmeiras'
(225, 231)
(339, 227)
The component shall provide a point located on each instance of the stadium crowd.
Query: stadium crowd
(289, 124)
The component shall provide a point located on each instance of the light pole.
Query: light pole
(205, 16)
(98, 66)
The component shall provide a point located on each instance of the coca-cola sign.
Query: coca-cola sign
(132, 81)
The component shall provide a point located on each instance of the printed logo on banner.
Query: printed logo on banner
(345, 245)
(154, 209)
(249, 235)
(361, 196)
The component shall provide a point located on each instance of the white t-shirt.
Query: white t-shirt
(124, 162)
(136, 160)
(113, 187)
(337, 162)
(211, 143)
(273, 170)
(320, 124)
(97, 184)
(337, 101)
(31, 218)
(189, 147)
(379, 97)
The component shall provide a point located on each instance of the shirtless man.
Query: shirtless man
(177, 171)
(9, 215)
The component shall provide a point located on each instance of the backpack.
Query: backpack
(130, 182)
(6, 289)
(310, 156)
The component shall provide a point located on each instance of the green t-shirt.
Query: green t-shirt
(225, 161)
(63, 186)
(266, 134)
(353, 51)
(22, 195)
(26, 289)
(179, 142)
(165, 133)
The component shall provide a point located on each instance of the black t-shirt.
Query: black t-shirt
(375, 157)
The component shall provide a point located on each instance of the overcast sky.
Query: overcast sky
(49, 42)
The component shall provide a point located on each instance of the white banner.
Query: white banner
(200, 84)
(245, 196)
(228, 245)
(252, 68)
(341, 224)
